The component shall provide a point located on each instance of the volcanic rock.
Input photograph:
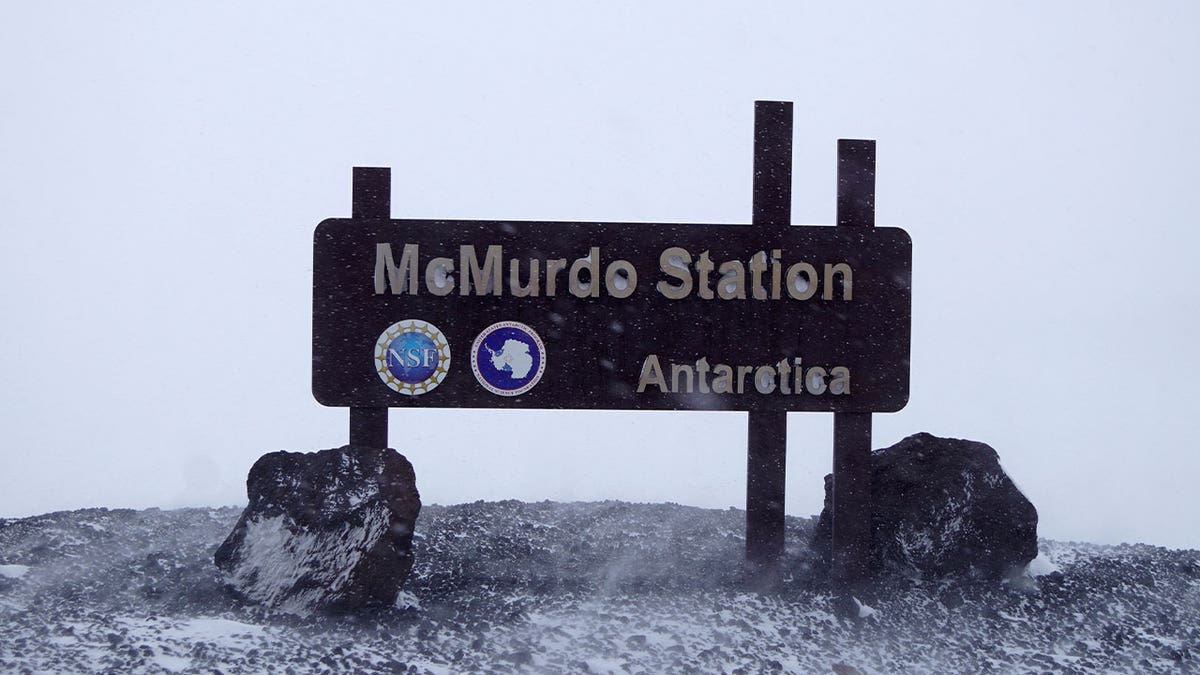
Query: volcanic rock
(328, 531)
(942, 506)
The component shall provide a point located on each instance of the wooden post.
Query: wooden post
(852, 431)
(372, 199)
(766, 457)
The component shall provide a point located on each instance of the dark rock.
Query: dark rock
(329, 530)
(942, 506)
(521, 657)
(951, 598)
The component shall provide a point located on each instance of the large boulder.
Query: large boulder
(326, 531)
(942, 506)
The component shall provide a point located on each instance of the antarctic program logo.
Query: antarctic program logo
(412, 357)
(508, 358)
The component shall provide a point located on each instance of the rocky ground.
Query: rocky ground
(596, 587)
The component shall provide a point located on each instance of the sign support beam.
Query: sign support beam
(766, 466)
(851, 546)
(372, 199)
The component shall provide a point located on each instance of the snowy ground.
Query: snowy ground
(548, 587)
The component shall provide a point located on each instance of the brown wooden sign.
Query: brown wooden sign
(767, 318)
(624, 316)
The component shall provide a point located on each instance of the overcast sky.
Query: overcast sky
(162, 167)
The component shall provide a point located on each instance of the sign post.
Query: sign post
(766, 318)
(851, 546)
(372, 198)
(766, 449)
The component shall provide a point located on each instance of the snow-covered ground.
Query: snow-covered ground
(595, 587)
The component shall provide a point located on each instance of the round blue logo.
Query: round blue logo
(508, 358)
(412, 357)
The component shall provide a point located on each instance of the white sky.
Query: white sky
(162, 167)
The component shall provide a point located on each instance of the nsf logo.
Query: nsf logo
(412, 357)
(508, 358)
